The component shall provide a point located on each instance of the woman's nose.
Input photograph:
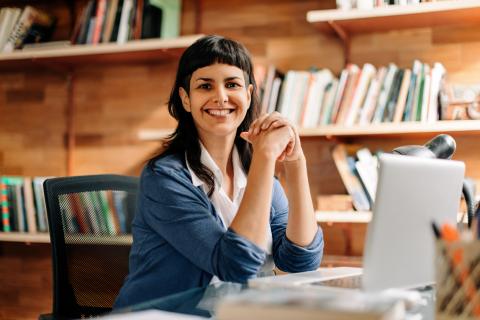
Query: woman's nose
(220, 97)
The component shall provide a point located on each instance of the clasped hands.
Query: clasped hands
(273, 135)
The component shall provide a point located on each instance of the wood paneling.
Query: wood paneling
(113, 102)
(25, 280)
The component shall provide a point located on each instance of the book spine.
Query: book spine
(100, 17)
(5, 205)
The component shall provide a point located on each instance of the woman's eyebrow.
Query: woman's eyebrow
(203, 79)
(232, 78)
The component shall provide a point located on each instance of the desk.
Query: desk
(202, 301)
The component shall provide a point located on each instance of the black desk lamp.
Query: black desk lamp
(442, 147)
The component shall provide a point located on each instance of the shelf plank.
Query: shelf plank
(343, 216)
(459, 127)
(45, 238)
(395, 17)
(356, 216)
(467, 127)
(24, 237)
(132, 51)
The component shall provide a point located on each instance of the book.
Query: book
(368, 109)
(346, 104)
(5, 206)
(314, 98)
(33, 25)
(99, 21)
(366, 75)
(402, 96)
(8, 20)
(409, 104)
(124, 26)
(273, 101)
(328, 102)
(385, 93)
(29, 205)
(350, 180)
(388, 114)
(437, 75)
(342, 81)
(151, 21)
(308, 304)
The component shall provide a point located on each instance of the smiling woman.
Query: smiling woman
(209, 207)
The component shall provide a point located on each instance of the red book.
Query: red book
(100, 16)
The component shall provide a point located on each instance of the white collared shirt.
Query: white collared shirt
(226, 208)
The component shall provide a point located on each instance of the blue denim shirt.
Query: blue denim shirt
(179, 241)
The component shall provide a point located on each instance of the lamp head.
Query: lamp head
(441, 147)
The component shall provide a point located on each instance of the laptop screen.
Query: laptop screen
(411, 193)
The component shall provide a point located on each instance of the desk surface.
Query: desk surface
(202, 301)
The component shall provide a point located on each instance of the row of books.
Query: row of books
(23, 207)
(361, 95)
(19, 27)
(23, 204)
(96, 213)
(123, 20)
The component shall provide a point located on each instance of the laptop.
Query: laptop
(399, 250)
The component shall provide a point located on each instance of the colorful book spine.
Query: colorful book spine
(5, 205)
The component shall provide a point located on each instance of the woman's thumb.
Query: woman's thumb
(245, 136)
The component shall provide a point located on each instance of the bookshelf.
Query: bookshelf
(148, 50)
(346, 23)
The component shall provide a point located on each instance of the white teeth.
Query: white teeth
(216, 112)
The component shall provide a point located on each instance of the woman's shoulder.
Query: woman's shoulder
(170, 165)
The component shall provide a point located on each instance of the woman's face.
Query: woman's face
(218, 99)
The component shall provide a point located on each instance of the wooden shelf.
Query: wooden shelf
(45, 238)
(467, 127)
(132, 51)
(104, 240)
(343, 216)
(24, 237)
(354, 216)
(395, 17)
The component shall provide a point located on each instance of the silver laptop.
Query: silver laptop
(399, 249)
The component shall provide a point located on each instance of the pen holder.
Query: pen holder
(458, 279)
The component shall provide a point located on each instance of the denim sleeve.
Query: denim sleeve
(288, 256)
(179, 212)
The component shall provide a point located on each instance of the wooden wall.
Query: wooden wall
(112, 103)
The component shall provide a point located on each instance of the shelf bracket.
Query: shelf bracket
(343, 35)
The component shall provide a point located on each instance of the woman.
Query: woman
(209, 206)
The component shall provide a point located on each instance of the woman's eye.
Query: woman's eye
(232, 85)
(205, 86)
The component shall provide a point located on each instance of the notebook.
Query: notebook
(399, 250)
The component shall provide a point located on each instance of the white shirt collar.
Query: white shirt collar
(240, 178)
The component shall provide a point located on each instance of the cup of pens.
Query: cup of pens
(458, 275)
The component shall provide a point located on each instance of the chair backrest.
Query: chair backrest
(89, 218)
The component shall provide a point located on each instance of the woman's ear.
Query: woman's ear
(249, 93)
(185, 99)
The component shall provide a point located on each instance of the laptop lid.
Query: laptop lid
(411, 193)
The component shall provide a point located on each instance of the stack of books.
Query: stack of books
(19, 27)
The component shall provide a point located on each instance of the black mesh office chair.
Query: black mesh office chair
(89, 219)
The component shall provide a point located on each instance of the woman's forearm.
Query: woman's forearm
(302, 225)
(253, 214)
